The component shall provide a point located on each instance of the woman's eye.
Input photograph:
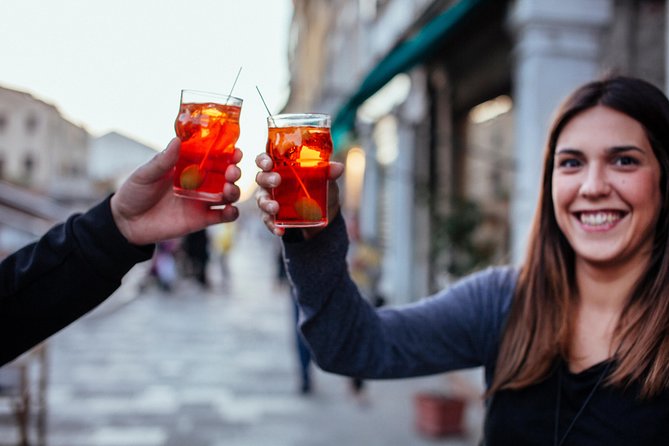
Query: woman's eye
(569, 163)
(625, 161)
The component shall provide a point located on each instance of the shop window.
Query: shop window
(31, 123)
(28, 167)
(380, 4)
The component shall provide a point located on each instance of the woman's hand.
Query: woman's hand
(146, 210)
(268, 180)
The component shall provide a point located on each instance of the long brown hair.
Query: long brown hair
(538, 328)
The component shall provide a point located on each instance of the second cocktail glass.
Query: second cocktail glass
(208, 127)
(300, 146)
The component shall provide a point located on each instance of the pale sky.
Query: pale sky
(119, 65)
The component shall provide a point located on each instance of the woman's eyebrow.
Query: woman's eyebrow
(568, 151)
(618, 149)
(610, 150)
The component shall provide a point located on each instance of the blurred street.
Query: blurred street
(214, 367)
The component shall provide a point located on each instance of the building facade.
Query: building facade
(51, 167)
(113, 156)
(450, 101)
(40, 149)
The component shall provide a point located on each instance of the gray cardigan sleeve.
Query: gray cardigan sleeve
(456, 328)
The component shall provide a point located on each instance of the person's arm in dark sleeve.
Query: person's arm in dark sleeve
(76, 265)
(455, 329)
(69, 271)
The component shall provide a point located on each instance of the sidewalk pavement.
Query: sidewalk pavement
(211, 368)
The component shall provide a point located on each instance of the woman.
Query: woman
(575, 342)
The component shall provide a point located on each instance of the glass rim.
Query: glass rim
(299, 120)
(202, 96)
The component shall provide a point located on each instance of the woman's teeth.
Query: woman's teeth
(599, 218)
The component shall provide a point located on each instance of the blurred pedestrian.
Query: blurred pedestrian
(574, 341)
(223, 241)
(281, 284)
(76, 265)
(196, 247)
(303, 352)
(164, 265)
(281, 277)
(364, 259)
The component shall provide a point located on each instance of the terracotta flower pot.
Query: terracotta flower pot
(439, 415)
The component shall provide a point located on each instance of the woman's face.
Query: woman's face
(606, 187)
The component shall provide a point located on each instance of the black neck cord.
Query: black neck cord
(580, 411)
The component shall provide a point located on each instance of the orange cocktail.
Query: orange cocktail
(208, 127)
(300, 146)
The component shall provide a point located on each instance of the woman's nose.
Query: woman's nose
(595, 183)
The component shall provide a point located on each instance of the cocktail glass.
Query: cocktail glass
(208, 127)
(300, 146)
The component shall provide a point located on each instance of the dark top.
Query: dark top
(66, 273)
(457, 328)
(612, 416)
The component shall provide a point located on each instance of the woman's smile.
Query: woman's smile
(599, 220)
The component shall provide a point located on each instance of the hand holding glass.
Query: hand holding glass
(300, 146)
(208, 127)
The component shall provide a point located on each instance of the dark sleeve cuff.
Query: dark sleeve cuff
(294, 235)
(314, 264)
(96, 228)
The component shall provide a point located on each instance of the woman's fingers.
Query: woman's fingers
(336, 169)
(269, 208)
(268, 180)
(266, 204)
(264, 162)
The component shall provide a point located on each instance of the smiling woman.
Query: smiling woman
(574, 342)
(606, 192)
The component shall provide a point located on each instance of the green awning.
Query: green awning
(407, 54)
